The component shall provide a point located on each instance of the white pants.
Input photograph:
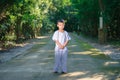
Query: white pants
(61, 59)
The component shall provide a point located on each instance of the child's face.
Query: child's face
(60, 25)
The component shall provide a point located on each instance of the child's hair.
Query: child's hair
(61, 20)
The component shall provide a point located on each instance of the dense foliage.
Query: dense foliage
(86, 15)
(24, 19)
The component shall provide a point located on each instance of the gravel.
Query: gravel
(14, 52)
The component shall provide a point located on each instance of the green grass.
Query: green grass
(100, 59)
(93, 52)
(115, 43)
(111, 69)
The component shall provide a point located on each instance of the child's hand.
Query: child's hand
(62, 47)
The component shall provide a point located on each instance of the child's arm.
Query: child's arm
(65, 43)
(67, 39)
(58, 43)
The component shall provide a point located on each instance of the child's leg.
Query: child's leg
(57, 60)
(64, 60)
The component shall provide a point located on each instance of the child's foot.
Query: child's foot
(63, 72)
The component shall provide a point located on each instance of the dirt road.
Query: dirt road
(84, 63)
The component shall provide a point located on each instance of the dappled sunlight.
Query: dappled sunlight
(42, 37)
(76, 74)
(71, 46)
(112, 63)
(94, 49)
(22, 45)
(85, 75)
(96, 76)
(73, 74)
(92, 78)
(41, 64)
(32, 23)
(107, 52)
(40, 42)
(97, 53)
(81, 66)
(85, 52)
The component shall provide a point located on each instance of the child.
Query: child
(61, 39)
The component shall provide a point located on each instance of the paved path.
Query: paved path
(37, 63)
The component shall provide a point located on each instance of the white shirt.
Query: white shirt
(62, 37)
